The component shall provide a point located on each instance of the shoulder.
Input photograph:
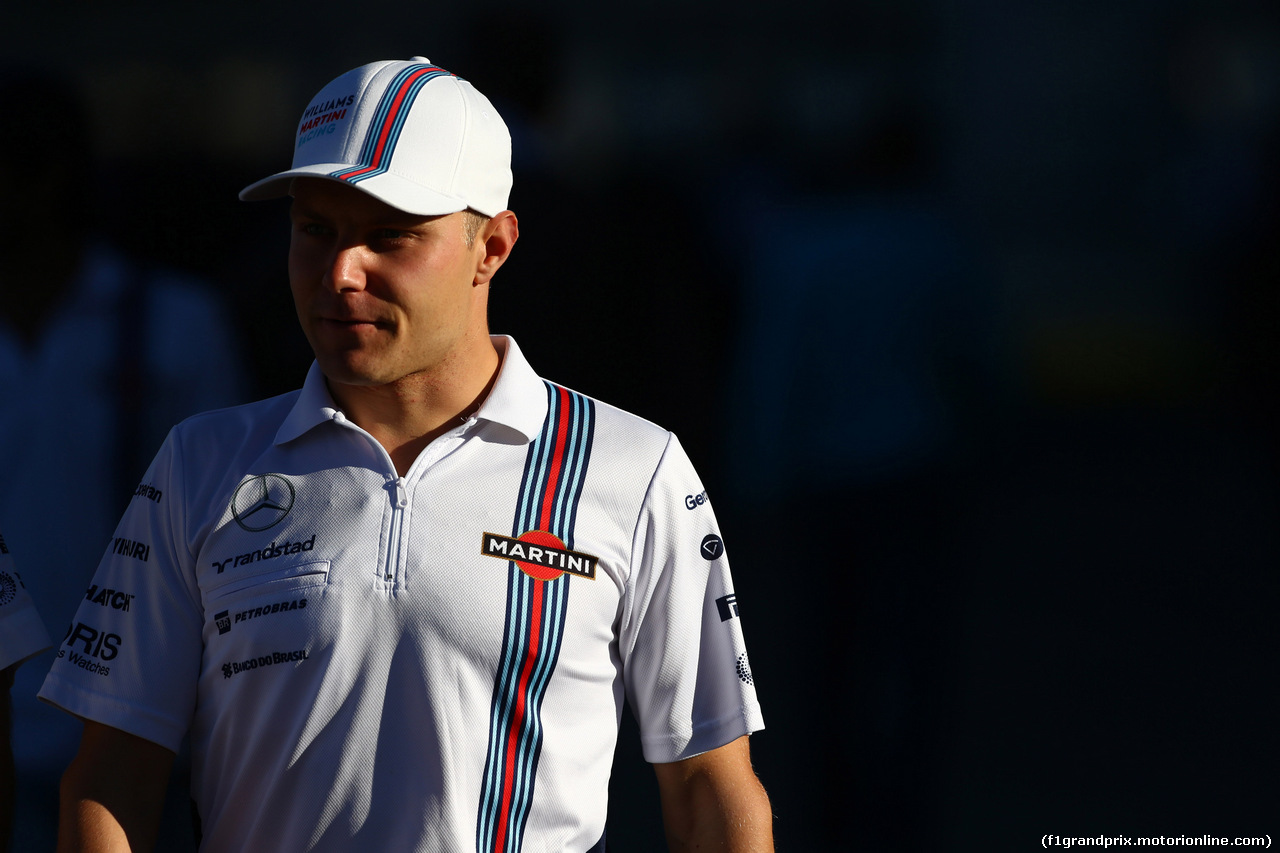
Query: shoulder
(632, 455)
(260, 415)
(617, 430)
(215, 439)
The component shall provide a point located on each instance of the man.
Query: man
(401, 607)
(22, 636)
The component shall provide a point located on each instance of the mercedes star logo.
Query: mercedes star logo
(262, 502)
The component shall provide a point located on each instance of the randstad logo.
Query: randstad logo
(262, 502)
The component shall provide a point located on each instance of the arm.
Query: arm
(113, 792)
(714, 801)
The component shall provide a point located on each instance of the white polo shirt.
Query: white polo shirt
(22, 634)
(429, 662)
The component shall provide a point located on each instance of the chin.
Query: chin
(352, 372)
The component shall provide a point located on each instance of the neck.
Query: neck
(406, 415)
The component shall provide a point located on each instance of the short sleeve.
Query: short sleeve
(131, 656)
(685, 665)
(22, 633)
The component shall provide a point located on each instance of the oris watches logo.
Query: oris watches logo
(262, 502)
(87, 647)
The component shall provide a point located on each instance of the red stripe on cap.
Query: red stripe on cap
(390, 120)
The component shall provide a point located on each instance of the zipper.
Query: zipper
(396, 486)
(399, 500)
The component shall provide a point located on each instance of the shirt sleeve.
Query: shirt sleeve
(22, 633)
(685, 665)
(131, 657)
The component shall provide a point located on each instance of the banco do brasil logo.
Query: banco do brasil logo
(261, 502)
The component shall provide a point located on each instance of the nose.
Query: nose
(346, 269)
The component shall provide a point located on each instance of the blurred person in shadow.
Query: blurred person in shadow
(100, 353)
(22, 636)
(857, 377)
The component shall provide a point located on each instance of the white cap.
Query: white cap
(406, 132)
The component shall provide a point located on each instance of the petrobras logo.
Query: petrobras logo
(225, 620)
(262, 501)
(540, 555)
(262, 662)
(112, 598)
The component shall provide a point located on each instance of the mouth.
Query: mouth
(358, 326)
(343, 318)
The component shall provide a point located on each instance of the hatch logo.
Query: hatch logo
(540, 555)
(113, 598)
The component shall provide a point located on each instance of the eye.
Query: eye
(312, 229)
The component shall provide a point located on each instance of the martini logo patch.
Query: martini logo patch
(539, 555)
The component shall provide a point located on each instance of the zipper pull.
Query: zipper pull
(397, 492)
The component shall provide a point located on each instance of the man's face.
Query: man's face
(381, 294)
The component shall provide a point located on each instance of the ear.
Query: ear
(496, 240)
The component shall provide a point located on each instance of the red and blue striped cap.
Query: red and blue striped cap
(408, 133)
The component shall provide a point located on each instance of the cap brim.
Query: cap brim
(389, 188)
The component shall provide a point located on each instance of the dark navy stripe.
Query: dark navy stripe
(551, 488)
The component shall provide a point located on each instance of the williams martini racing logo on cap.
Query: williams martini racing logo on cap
(262, 502)
(319, 118)
(540, 555)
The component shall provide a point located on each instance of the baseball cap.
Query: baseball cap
(408, 133)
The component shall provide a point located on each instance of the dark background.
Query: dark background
(967, 313)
